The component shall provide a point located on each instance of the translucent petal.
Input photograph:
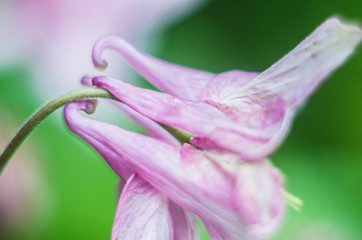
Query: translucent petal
(142, 213)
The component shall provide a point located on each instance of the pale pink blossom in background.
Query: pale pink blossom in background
(22, 185)
(55, 37)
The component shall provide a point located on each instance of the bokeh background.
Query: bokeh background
(62, 189)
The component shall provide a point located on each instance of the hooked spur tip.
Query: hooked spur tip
(96, 80)
(89, 105)
(101, 65)
(86, 81)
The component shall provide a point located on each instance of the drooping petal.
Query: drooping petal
(179, 81)
(183, 178)
(185, 225)
(119, 165)
(169, 110)
(263, 212)
(142, 213)
(255, 188)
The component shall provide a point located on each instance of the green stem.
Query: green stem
(180, 135)
(45, 111)
(53, 105)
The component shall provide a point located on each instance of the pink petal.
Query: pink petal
(195, 181)
(142, 213)
(263, 212)
(252, 190)
(185, 225)
(179, 81)
(186, 115)
(296, 75)
(225, 83)
(119, 165)
(248, 148)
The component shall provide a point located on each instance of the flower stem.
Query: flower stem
(45, 111)
(180, 135)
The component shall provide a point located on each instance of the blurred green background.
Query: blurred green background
(321, 157)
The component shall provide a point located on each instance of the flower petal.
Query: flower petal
(161, 107)
(185, 225)
(259, 187)
(297, 74)
(142, 213)
(253, 143)
(179, 81)
(225, 83)
(119, 165)
(191, 179)
(251, 190)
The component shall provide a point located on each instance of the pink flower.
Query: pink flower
(244, 113)
(234, 201)
(233, 116)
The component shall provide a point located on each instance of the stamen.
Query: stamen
(292, 201)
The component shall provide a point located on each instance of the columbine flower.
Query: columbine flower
(233, 116)
(234, 201)
(244, 113)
